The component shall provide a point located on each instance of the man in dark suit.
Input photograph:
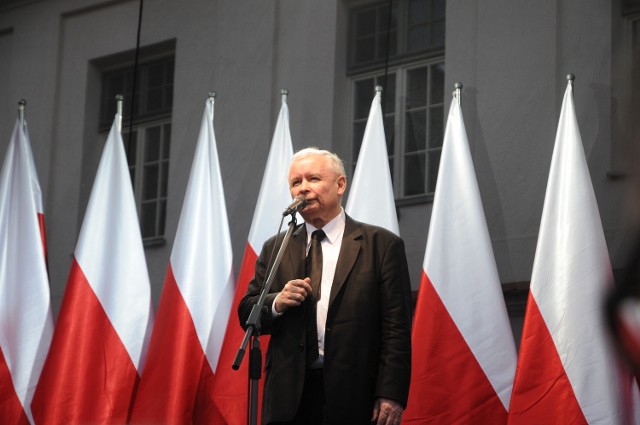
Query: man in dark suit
(360, 308)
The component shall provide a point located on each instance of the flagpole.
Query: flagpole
(21, 105)
(285, 95)
(212, 99)
(119, 99)
(457, 93)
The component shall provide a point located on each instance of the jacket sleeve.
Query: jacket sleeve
(253, 293)
(394, 371)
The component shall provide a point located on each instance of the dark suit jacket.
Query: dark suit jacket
(368, 329)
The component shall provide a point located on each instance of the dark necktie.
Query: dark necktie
(314, 271)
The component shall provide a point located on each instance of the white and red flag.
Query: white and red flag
(26, 324)
(195, 303)
(371, 198)
(231, 387)
(99, 343)
(567, 371)
(463, 353)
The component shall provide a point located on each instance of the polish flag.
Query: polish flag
(371, 198)
(567, 371)
(464, 356)
(26, 324)
(99, 343)
(196, 300)
(231, 386)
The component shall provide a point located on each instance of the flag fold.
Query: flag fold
(464, 356)
(567, 371)
(101, 335)
(195, 302)
(371, 198)
(230, 387)
(26, 324)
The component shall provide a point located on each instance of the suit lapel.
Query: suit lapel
(349, 251)
(297, 251)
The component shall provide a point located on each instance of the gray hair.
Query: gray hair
(334, 160)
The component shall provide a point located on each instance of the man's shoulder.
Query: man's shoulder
(299, 229)
(370, 230)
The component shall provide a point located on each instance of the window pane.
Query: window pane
(418, 11)
(166, 135)
(389, 132)
(358, 133)
(154, 100)
(437, 9)
(164, 178)
(388, 93)
(155, 75)
(416, 131)
(418, 37)
(363, 96)
(148, 220)
(417, 88)
(414, 174)
(365, 49)
(152, 144)
(436, 126)
(434, 164)
(130, 143)
(437, 83)
(437, 34)
(365, 23)
(150, 182)
(162, 214)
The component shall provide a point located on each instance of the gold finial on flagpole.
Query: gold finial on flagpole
(285, 95)
(570, 78)
(378, 89)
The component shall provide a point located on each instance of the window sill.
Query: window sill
(414, 200)
(153, 242)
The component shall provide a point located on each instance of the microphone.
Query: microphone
(298, 203)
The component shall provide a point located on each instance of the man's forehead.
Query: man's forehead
(311, 163)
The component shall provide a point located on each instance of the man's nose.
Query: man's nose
(304, 186)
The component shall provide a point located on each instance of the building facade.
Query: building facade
(68, 59)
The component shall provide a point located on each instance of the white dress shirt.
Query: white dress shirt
(330, 251)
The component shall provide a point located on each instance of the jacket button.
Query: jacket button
(327, 330)
(300, 347)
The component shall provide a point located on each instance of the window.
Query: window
(147, 137)
(411, 71)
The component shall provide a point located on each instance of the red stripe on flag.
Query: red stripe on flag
(447, 383)
(11, 411)
(88, 376)
(541, 389)
(175, 363)
(231, 386)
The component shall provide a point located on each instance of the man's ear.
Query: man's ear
(342, 185)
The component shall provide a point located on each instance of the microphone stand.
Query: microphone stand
(252, 333)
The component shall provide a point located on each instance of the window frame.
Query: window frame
(399, 130)
(141, 123)
(399, 65)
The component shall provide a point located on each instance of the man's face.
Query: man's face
(321, 185)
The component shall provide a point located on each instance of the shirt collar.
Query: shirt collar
(332, 229)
